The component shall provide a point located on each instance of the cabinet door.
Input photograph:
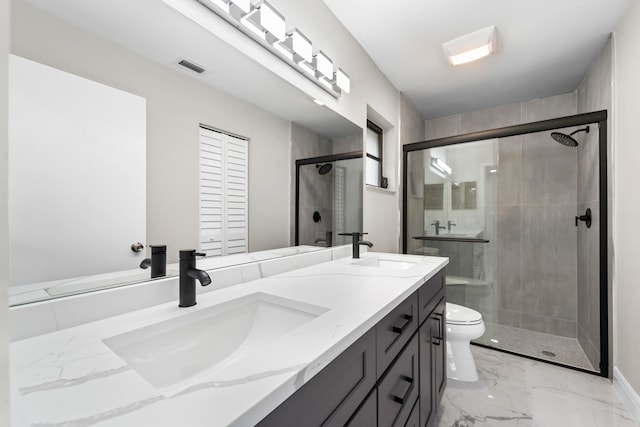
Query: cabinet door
(427, 408)
(439, 348)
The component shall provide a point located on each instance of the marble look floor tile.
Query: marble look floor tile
(514, 391)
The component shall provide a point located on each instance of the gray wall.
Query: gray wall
(594, 93)
(176, 105)
(4, 219)
(412, 130)
(536, 201)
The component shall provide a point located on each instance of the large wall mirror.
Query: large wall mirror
(129, 56)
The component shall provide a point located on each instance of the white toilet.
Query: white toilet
(463, 325)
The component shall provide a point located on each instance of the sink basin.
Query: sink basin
(170, 353)
(389, 264)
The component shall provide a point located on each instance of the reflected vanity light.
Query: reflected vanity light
(263, 23)
(440, 167)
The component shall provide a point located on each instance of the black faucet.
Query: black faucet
(188, 276)
(157, 262)
(450, 224)
(438, 226)
(328, 239)
(356, 242)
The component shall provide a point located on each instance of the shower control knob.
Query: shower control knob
(586, 218)
(137, 247)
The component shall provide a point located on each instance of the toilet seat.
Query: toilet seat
(460, 315)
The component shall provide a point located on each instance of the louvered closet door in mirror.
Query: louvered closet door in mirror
(223, 193)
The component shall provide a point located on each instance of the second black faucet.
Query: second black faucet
(356, 242)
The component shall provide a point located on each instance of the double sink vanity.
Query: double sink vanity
(327, 341)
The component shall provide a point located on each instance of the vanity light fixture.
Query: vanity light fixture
(298, 45)
(265, 25)
(471, 47)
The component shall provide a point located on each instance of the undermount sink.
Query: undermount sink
(389, 264)
(170, 353)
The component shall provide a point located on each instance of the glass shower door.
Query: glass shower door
(511, 215)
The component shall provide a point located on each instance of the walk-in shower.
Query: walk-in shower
(328, 198)
(524, 223)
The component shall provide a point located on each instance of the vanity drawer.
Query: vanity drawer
(332, 396)
(367, 415)
(430, 293)
(395, 330)
(398, 390)
(414, 417)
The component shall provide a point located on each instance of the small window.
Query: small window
(374, 154)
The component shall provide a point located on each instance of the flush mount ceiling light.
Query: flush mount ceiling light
(265, 25)
(471, 47)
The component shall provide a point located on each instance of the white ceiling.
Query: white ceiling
(545, 47)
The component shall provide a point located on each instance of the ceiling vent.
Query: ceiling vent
(190, 65)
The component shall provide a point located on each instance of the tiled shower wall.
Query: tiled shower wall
(536, 278)
(594, 93)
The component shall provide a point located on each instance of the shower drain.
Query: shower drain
(548, 353)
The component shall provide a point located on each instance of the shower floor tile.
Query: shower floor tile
(566, 351)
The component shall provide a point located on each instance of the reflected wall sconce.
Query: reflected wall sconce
(265, 25)
(471, 47)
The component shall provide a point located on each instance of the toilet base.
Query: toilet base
(460, 363)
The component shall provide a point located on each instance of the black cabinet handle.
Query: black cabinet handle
(402, 389)
(402, 323)
(437, 340)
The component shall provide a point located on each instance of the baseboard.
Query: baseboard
(629, 396)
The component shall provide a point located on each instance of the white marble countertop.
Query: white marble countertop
(72, 378)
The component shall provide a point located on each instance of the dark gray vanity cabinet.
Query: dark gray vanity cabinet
(393, 376)
(433, 352)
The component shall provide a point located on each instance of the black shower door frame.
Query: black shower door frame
(310, 161)
(598, 117)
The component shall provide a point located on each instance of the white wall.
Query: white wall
(626, 201)
(176, 105)
(369, 89)
(4, 214)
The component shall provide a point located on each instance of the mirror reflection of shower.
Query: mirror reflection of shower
(328, 198)
(324, 169)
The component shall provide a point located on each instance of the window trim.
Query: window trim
(379, 131)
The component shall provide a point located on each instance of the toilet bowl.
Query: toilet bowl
(463, 325)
